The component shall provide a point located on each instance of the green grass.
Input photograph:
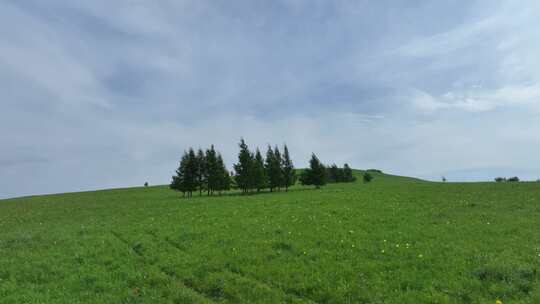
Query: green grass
(395, 240)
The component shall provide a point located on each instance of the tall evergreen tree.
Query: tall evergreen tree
(178, 180)
(333, 174)
(273, 170)
(224, 183)
(212, 171)
(348, 173)
(192, 169)
(289, 174)
(185, 179)
(279, 168)
(315, 174)
(268, 165)
(201, 170)
(259, 173)
(243, 169)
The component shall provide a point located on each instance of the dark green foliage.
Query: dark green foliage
(251, 172)
(244, 168)
(289, 174)
(146, 184)
(185, 179)
(259, 173)
(334, 174)
(202, 171)
(273, 169)
(213, 173)
(224, 179)
(316, 173)
(367, 177)
(504, 179)
(348, 174)
(278, 176)
(177, 182)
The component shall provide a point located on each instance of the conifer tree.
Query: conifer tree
(273, 170)
(243, 168)
(212, 171)
(224, 183)
(268, 165)
(315, 174)
(278, 175)
(192, 169)
(185, 179)
(201, 170)
(333, 175)
(289, 174)
(259, 174)
(178, 180)
(348, 173)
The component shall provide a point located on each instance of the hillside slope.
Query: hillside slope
(395, 240)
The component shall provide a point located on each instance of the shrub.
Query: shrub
(513, 179)
(500, 179)
(367, 177)
(146, 184)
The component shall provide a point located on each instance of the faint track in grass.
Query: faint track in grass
(241, 275)
(173, 276)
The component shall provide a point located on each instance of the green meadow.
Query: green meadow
(394, 240)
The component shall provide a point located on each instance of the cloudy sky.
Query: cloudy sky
(100, 93)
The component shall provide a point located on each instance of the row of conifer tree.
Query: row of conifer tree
(203, 171)
(206, 171)
(254, 173)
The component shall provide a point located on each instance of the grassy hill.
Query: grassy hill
(395, 240)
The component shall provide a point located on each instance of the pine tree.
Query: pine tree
(348, 173)
(224, 183)
(278, 175)
(333, 174)
(268, 165)
(243, 168)
(259, 174)
(191, 172)
(177, 182)
(273, 168)
(212, 171)
(185, 179)
(289, 174)
(315, 175)
(201, 170)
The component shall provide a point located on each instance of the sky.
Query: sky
(98, 94)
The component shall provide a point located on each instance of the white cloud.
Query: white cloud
(480, 100)
(116, 90)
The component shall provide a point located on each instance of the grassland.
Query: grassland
(395, 240)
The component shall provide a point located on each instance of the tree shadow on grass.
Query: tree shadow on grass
(239, 193)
